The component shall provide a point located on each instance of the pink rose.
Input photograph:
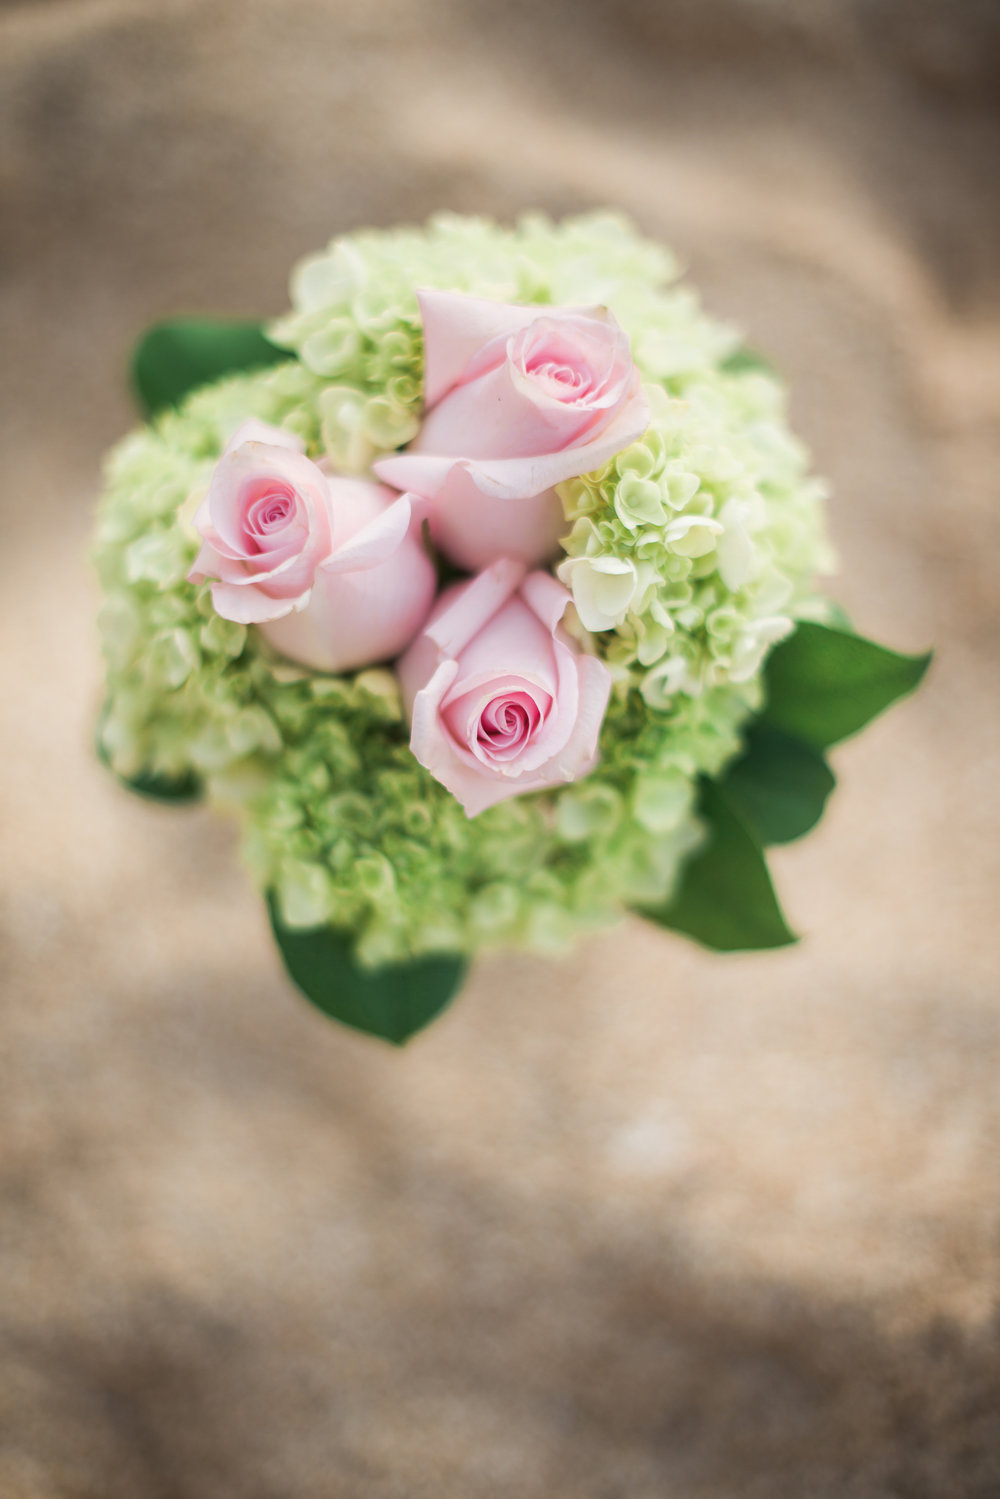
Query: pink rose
(331, 569)
(265, 525)
(501, 700)
(517, 399)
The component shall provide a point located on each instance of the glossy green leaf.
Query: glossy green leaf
(393, 1002)
(174, 357)
(726, 900)
(824, 684)
(779, 784)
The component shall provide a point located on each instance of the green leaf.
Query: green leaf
(779, 784)
(393, 1002)
(746, 361)
(159, 788)
(175, 357)
(726, 900)
(825, 684)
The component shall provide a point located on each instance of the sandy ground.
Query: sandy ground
(645, 1224)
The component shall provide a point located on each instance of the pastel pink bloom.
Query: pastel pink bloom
(501, 700)
(265, 525)
(517, 399)
(331, 569)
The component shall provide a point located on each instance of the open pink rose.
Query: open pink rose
(501, 700)
(331, 569)
(265, 525)
(517, 399)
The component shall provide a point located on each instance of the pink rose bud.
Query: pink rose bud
(501, 699)
(517, 399)
(331, 569)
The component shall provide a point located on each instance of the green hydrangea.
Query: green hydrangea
(698, 545)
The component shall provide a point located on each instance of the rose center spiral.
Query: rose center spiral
(269, 509)
(507, 723)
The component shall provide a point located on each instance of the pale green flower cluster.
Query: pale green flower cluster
(695, 549)
(351, 830)
(697, 546)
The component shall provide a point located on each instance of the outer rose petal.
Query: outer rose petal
(456, 327)
(516, 644)
(483, 508)
(472, 528)
(459, 614)
(465, 608)
(579, 754)
(378, 538)
(370, 597)
(251, 606)
(509, 478)
(253, 430)
(500, 415)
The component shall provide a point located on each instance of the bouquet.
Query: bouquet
(482, 586)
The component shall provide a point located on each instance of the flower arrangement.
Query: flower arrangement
(482, 586)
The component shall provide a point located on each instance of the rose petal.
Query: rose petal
(458, 772)
(472, 528)
(456, 327)
(500, 416)
(250, 606)
(357, 616)
(253, 430)
(513, 478)
(376, 541)
(464, 610)
(573, 363)
(579, 754)
(516, 642)
(548, 599)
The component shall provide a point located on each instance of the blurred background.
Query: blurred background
(643, 1224)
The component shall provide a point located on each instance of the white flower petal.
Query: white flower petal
(602, 589)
